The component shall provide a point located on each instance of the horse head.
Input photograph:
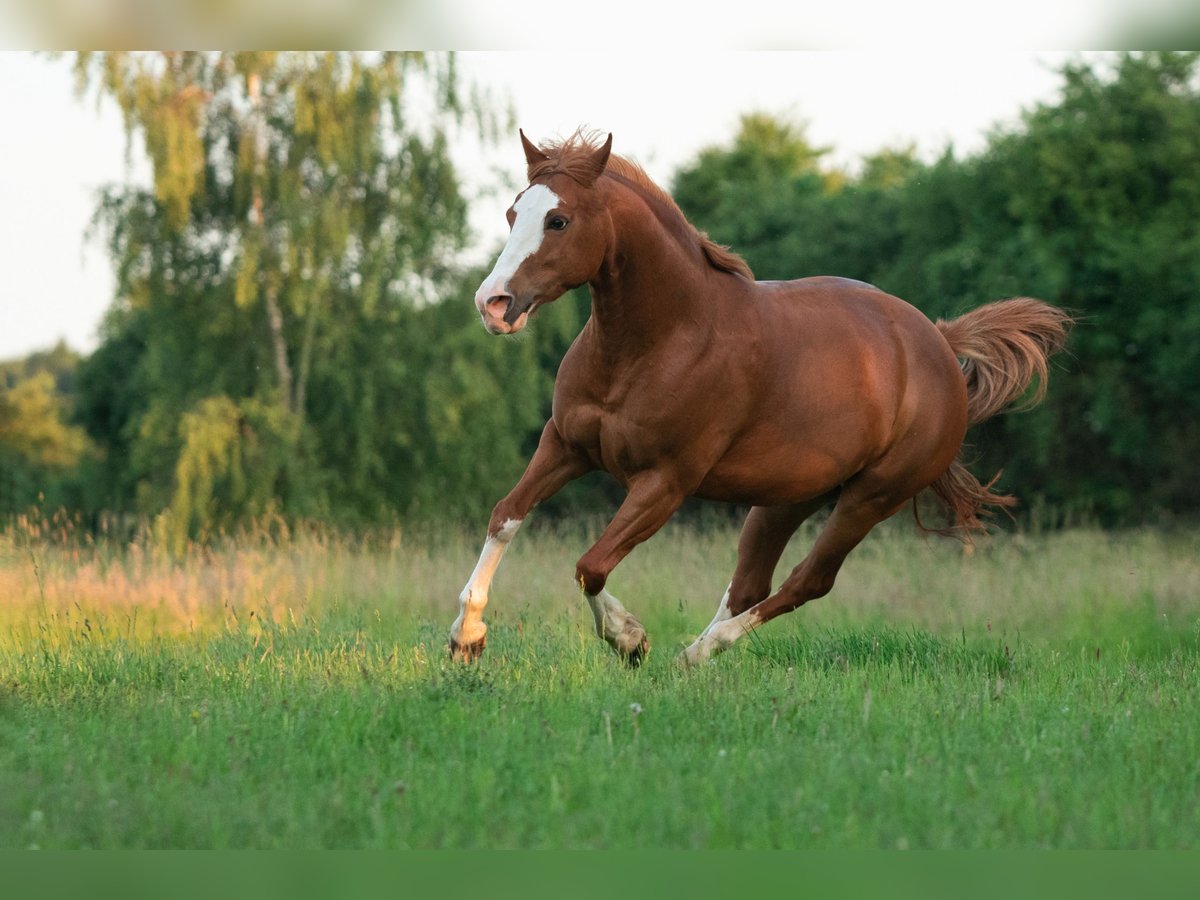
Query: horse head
(559, 234)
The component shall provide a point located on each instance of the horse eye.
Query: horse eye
(556, 223)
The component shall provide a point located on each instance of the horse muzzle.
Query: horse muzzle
(505, 314)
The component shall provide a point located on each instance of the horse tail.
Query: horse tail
(1002, 347)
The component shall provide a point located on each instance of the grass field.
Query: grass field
(293, 691)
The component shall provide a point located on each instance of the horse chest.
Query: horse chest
(630, 418)
(613, 441)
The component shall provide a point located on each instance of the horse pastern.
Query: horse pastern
(637, 655)
(467, 653)
(695, 654)
(631, 644)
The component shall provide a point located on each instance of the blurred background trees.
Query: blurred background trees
(276, 342)
(292, 332)
(41, 452)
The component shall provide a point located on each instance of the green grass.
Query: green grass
(294, 692)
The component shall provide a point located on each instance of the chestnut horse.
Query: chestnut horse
(692, 379)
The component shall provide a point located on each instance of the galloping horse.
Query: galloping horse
(692, 379)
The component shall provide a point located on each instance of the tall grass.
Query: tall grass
(290, 687)
(1057, 586)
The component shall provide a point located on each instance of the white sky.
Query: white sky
(662, 107)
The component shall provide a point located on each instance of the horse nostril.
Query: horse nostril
(498, 304)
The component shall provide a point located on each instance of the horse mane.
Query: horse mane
(571, 157)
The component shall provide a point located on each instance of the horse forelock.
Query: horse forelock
(571, 157)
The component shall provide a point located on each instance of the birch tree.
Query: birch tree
(304, 208)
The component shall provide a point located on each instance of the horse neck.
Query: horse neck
(652, 283)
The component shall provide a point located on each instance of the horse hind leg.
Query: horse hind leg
(874, 494)
(852, 518)
(764, 537)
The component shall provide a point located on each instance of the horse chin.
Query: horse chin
(499, 326)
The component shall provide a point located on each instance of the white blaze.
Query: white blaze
(528, 229)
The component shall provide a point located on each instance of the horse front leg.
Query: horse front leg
(651, 501)
(554, 464)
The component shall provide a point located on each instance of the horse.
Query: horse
(691, 378)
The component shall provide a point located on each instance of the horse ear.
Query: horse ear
(533, 155)
(594, 167)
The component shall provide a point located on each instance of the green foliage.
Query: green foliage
(32, 427)
(1103, 200)
(1092, 204)
(40, 449)
(282, 271)
(233, 464)
(747, 196)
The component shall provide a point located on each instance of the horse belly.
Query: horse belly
(772, 476)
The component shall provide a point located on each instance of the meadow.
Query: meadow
(291, 689)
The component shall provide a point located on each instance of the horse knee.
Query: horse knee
(504, 521)
(590, 577)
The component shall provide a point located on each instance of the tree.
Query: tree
(1095, 203)
(301, 219)
(32, 426)
(39, 448)
(749, 195)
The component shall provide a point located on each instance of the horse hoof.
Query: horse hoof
(695, 654)
(467, 653)
(688, 661)
(637, 655)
